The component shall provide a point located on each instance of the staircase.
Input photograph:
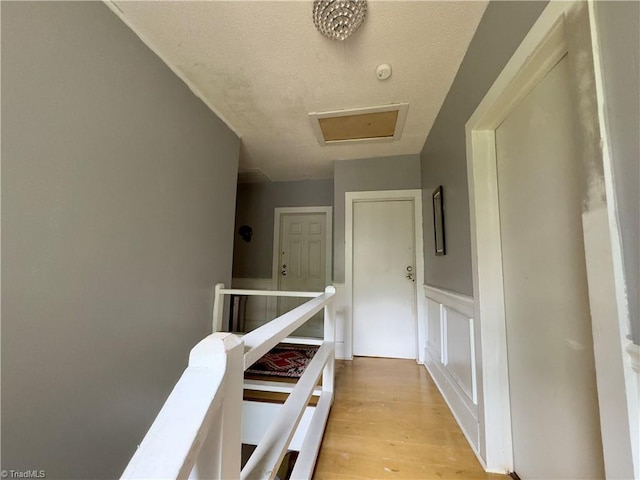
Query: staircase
(213, 409)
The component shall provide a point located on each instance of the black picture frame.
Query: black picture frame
(438, 221)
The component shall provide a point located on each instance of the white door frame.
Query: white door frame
(275, 268)
(353, 197)
(556, 31)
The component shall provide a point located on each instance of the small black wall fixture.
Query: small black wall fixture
(245, 231)
(438, 221)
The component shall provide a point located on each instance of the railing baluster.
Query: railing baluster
(264, 462)
(329, 336)
(218, 308)
(207, 465)
(232, 413)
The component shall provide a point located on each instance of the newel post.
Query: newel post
(329, 336)
(220, 454)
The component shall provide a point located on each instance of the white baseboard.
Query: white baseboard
(466, 417)
(341, 352)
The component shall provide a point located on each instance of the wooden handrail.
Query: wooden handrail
(262, 339)
(269, 293)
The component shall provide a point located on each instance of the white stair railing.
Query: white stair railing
(197, 433)
(262, 339)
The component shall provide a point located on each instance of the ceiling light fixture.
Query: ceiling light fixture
(339, 19)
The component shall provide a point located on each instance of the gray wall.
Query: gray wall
(502, 28)
(255, 207)
(382, 173)
(118, 191)
(618, 26)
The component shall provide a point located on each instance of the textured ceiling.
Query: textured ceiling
(262, 67)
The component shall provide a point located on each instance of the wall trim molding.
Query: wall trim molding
(633, 351)
(561, 27)
(462, 303)
(544, 43)
(462, 414)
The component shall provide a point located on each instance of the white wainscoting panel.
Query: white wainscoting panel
(434, 330)
(450, 356)
(460, 362)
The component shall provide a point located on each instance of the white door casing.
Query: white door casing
(562, 27)
(552, 385)
(301, 258)
(414, 309)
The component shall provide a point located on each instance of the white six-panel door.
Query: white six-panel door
(302, 263)
(384, 288)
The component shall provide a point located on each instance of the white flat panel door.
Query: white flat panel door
(554, 405)
(384, 289)
(302, 263)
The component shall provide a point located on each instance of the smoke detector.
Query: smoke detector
(383, 71)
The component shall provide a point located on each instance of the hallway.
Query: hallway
(389, 421)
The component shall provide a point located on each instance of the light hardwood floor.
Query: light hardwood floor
(389, 421)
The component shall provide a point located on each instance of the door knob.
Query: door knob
(410, 275)
(284, 270)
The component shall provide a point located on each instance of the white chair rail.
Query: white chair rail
(198, 432)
